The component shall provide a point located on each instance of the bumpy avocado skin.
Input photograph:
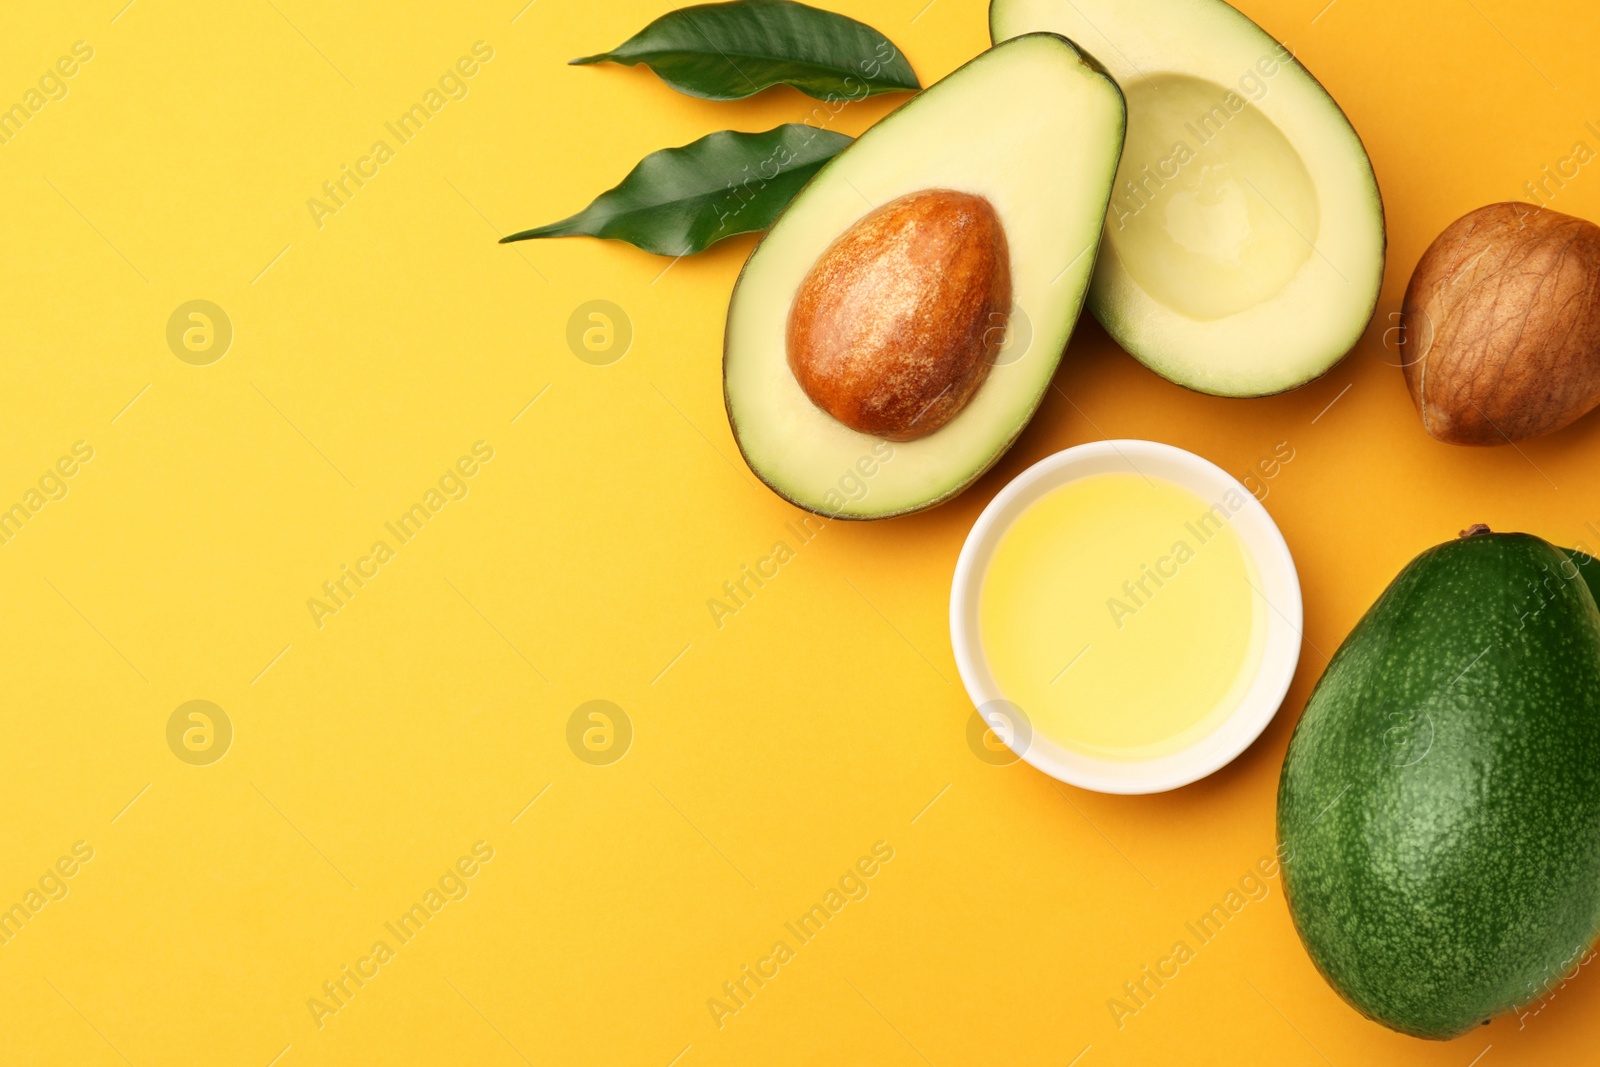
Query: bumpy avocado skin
(1439, 810)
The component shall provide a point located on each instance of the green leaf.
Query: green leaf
(679, 201)
(733, 50)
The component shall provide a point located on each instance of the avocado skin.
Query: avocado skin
(1589, 568)
(1439, 810)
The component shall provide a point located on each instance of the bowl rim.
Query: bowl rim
(1280, 589)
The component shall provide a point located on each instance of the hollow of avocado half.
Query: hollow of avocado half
(885, 283)
(1245, 238)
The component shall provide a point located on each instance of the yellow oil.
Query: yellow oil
(1121, 614)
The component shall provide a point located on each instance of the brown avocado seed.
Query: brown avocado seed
(1501, 325)
(897, 323)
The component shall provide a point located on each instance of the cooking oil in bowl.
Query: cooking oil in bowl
(1123, 614)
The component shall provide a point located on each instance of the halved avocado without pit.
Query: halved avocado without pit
(898, 326)
(1245, 238)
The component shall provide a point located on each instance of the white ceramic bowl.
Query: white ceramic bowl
(1279, 587)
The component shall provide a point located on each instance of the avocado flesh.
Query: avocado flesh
(1439, 810)
(1031, 126)
(1245, 238)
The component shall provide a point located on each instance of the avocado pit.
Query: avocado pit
(897, 323)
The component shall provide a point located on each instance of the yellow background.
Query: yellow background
(767, 755)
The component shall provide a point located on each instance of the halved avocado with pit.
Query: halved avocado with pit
(866, 314)
(1245, 239)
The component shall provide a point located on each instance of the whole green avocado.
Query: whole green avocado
(1439, 810)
